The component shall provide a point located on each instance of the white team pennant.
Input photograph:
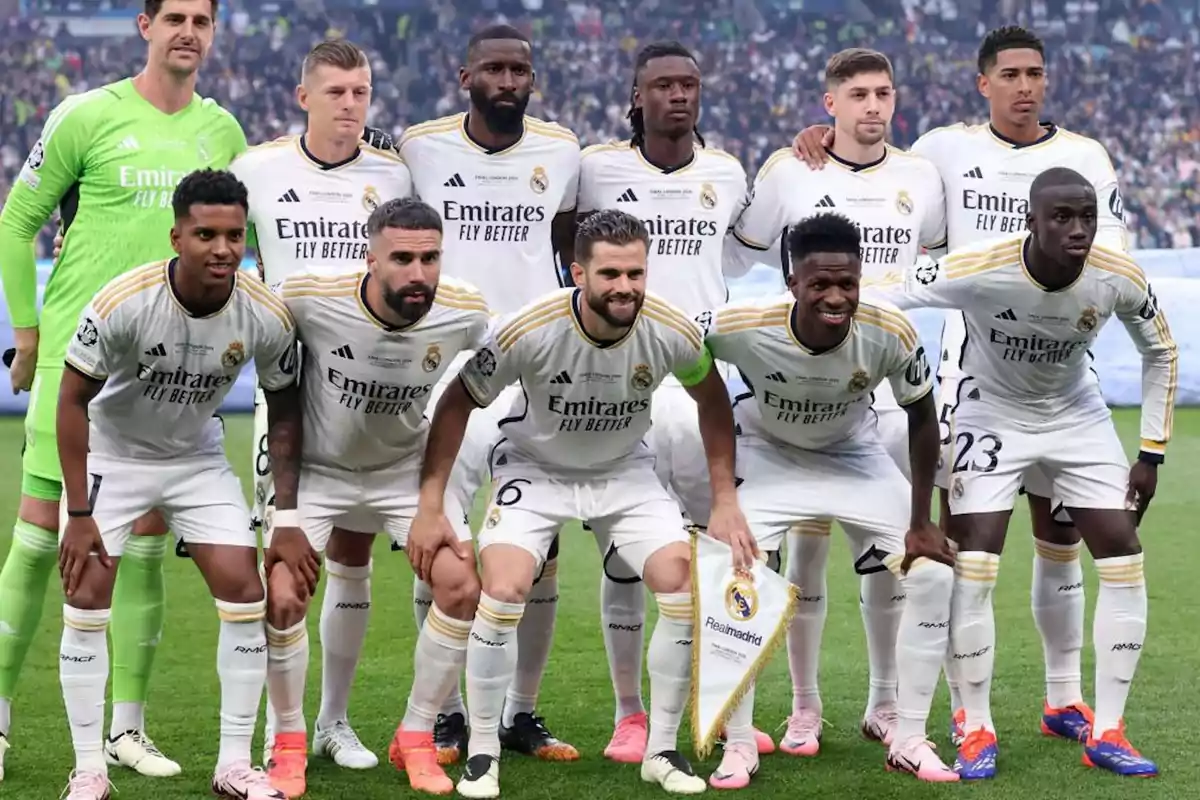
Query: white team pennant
(740, 618)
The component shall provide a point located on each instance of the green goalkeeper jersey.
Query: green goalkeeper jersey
(110, 161)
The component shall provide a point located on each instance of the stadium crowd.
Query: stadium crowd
(1124, 71)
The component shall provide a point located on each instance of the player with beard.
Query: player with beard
(687, 194)
(987, 171)
(1029, 399)
(505, 185)
(99, 161)
(376, 340)
(575, 450)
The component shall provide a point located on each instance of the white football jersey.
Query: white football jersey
(585, 405)
(166, 372)
(807, 400)
(366, 385)
(988, 177)
(1029, 346)
(312, 217)
(687, 211)
(896, 202)
(497, 207)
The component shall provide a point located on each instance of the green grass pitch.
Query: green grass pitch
(576, 697)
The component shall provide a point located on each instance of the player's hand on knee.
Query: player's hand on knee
(428, 534)
(81, 539)
(291, 547)
(1143, 483)
(727, 524)
(810, 143)
(926, 540)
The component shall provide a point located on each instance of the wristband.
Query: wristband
(286, 518)
(1146, 457)
(87, 512)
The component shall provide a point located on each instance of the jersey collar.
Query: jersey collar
(170, 268)
(577, 317)
(854, 166)
(641, 151)
(325, 166)
(1051, 132)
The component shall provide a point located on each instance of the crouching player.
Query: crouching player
(155, 354)
(376, 340)
(572, 449)
(808, 449)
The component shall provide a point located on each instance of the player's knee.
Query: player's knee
(152, 524)
(458, 593)
(669, 570)
(287, 599)
(39, 511)
(505, 588)
(350, 548)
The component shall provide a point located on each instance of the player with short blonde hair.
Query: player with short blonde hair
(155, 354)
(589, 360)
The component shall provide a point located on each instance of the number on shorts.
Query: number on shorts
(262, 458)
(960, 462)
(94, 491)
(944, 424)
(510, 493)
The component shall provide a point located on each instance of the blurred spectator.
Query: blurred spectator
(1124, 71)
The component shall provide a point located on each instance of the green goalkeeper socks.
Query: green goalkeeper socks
(31, 559)
(138, 609)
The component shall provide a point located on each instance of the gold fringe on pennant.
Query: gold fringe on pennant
(705, 740)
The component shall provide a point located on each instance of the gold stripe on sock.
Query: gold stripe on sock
(1122, 573)
(453, 629)
(1058, 553)
(495, 618)
(982, 567)
(240, 616)
(674, 611)
(283, 639)
(85, 625)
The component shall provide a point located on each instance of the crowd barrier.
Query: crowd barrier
(1175, 275)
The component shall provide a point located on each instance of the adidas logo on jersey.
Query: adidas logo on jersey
(561, 378)
(128, 143)
(627, 196)
(289, 196)
(777, 377)
(825, 202)
(976, 173)
(158, 350)
(455, 180)
(1007, 314)
(343, 352)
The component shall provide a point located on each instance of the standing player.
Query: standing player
(987, 171)
(573, 450)
(1033, 305)
(505, 185)
(310, 197)
(109, 160)
(809, 449)
(376, 341)
(686, 194)
(896, 201)
(155, 354)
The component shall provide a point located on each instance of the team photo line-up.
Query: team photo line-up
(483, 302)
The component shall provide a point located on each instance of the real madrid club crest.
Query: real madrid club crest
(642, 377)
(708, 197)
(858, 381)
(904, 203)
(433, 358)
(234, 355)
(539, 181)
(956, 490)
(1087, 320)
(493, 518)
(370, 199)
(741, 599)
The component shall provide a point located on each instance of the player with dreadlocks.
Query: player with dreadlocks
(688, 194)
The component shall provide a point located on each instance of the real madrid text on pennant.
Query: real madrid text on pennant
(740, 618)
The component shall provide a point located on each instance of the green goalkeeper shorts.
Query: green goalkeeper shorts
(42, 474)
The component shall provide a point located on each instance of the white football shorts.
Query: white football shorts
(200, 496)
(530, 502)
(366, 501)
(857, 484)
(994, 452)
(264, 481)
